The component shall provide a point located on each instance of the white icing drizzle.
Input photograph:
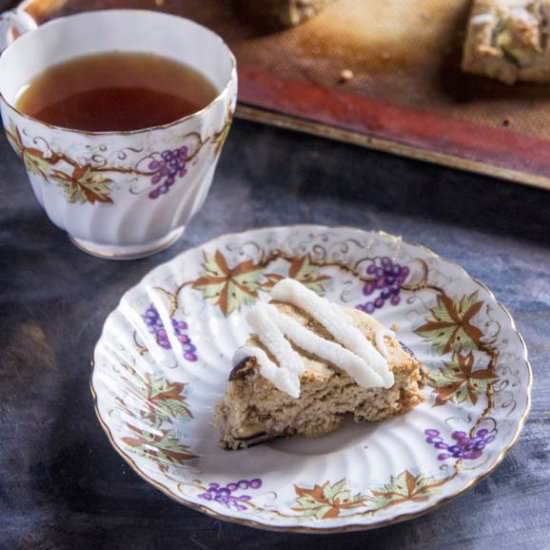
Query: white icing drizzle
(483, 18)
(379, 338)
(283, 379)
(336, 322)
(269, 334)
(332, 352)
(520, 13)
(352, 352)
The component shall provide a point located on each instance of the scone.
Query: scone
(307, 365)
(509, 40)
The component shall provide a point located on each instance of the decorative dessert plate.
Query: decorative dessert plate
(163, 359)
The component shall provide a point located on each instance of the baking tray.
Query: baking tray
(408, 95)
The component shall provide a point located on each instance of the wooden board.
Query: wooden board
(408, 95)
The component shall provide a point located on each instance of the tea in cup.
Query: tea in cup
(119, 117)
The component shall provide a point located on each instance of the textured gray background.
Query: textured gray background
(61, 484)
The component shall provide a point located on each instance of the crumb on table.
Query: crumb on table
(346, 75)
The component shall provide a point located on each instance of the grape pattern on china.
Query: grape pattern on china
(384, 284)
(156, 327)
(170, 166)
(463, 446)
(224, 494)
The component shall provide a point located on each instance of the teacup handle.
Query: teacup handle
(14, 23)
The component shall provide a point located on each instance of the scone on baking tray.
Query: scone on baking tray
(308, 364)
(509, 40)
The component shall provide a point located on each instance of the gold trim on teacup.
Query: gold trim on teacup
(219, 97)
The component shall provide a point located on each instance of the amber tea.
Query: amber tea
(115, 92)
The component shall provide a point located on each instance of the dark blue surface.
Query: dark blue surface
(62, 486)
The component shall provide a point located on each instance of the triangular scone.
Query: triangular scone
(509, 40)
(255, 410)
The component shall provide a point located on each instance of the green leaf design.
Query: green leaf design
(458, 381)
(36, 163)
(308, 274)
(166, 399)
(161, 402)
(14, 137)
(326, 501)
(338, 491)
(404, 487)
(84, 185)
(162, 447)
(303, 270)
(228, 288)
(450, 328)
(330, 501)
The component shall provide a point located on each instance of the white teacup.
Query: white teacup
(106, 188)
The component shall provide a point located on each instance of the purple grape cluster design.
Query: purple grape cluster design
(385, 281)
(225, 495)
(156, 327)
(463, 446)
(171, 165)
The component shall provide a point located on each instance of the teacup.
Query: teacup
(102, 188)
